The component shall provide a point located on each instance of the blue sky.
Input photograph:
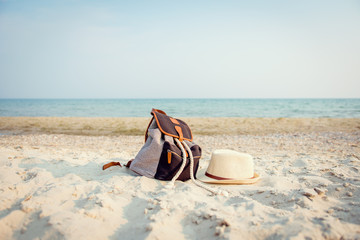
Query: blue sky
(190, 49)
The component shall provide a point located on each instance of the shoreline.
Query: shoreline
(101, 126)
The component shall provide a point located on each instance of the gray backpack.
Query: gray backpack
(163, 155)
(169, 152)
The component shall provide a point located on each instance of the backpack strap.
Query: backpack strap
(184, 153)
(110, 164)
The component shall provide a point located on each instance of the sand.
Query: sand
(199, 126)
(52, 185)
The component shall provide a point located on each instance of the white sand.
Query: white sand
(52, 187)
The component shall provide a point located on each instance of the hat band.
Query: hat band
(216, 177)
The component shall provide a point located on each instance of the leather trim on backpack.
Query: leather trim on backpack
(169, 127)
(167, 170)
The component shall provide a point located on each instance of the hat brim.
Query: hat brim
(202, 177)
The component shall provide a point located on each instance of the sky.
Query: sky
(179, 49)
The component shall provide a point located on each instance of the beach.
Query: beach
(52, 185)
(100, 126)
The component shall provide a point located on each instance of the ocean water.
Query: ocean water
(302, 108)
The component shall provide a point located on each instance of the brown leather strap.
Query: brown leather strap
(169, 157)
(179, 131)
(158, 110)
(174, 121)
(111, 164)
(129, 163)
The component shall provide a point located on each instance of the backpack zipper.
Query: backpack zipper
(169, 155)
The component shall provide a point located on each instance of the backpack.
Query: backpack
(169, 152)
(163, 155)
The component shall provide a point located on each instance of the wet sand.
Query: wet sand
(199, 126)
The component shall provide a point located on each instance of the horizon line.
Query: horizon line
(187, 98)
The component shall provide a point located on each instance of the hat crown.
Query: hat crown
(231, 164)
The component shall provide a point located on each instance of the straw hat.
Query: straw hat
(229, 167)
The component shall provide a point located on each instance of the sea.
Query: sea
(264, 108)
